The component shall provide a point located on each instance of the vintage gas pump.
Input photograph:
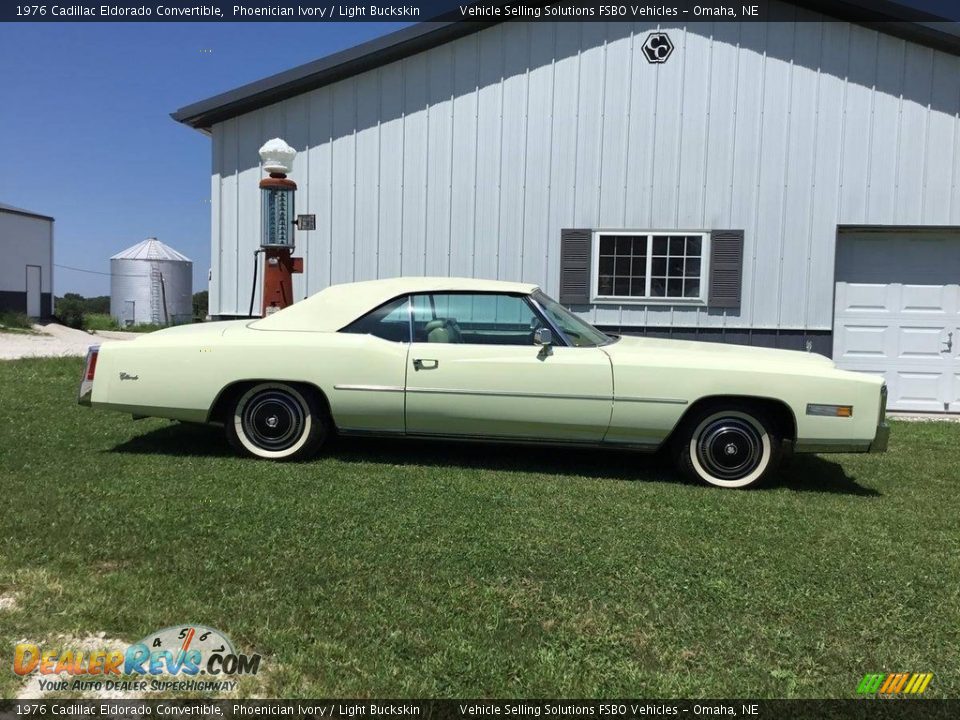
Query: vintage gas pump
(278, 222)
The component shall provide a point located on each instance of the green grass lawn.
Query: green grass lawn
(416, 569)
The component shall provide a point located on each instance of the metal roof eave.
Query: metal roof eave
(303, 78)
(11, 210)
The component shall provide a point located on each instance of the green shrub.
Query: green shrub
(70, 311)
(15, 320)
(99, 321)
(200, 305)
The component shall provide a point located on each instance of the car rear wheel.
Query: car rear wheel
(731, 447)
(276, 421)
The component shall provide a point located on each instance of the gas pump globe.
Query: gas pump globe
(278, 220)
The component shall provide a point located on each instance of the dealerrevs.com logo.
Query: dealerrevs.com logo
(170, 659)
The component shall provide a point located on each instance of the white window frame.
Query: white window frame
(596, 297)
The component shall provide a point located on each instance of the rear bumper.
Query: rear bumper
(85, 392)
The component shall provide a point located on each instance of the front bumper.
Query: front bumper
(881, 439)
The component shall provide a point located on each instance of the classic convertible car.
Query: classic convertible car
(487, 360)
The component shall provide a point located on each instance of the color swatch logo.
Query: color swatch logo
(894, 683)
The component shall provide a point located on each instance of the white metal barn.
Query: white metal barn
(26, 273)
(787, 183)
(151, 283)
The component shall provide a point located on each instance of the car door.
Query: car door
(370, 367)
(474, 371)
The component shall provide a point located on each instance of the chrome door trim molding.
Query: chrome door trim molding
(499, 393)
(668, 401)
(548, 396)
(370, 388)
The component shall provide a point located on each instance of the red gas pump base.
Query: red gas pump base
(279, 267)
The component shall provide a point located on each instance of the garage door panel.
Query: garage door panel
(865, 298)
(897, 301)
(921, 390)
(928, 299)
(921, 343)
(863, 341)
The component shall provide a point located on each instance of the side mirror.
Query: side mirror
(543, 336)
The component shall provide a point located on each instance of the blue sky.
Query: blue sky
(86, 135)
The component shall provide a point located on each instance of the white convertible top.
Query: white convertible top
(339, 305)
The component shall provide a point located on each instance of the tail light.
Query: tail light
(92, 354)
(86, 381)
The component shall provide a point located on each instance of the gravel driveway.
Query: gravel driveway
(53, 340)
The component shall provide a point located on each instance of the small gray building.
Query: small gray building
(790, 184)
(26, 273)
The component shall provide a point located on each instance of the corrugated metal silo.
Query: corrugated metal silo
(151, 283)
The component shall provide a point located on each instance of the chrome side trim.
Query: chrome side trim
(370, 388)
(642, 446)
(498, 393)
(366, 432)
(668, 401)
(831, 446)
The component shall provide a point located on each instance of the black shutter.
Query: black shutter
(726, 268)
(575, 252)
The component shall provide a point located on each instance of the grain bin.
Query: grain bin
(151, 283)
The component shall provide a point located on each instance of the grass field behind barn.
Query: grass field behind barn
(414, 569)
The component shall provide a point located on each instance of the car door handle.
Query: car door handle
(425, 364)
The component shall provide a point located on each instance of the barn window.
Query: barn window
(650, 266)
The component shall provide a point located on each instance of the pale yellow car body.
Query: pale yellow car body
(632, 392)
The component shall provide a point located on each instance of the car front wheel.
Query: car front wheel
(276, 421)
(733, 447)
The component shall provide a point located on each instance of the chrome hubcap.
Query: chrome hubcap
(273, 420)
(729, 448)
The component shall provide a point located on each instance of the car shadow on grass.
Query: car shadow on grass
(802, 473)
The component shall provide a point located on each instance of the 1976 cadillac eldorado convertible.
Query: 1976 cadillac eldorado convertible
(489, 360)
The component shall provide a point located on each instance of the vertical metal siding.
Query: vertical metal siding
(468, 159)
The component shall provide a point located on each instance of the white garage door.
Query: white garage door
(897, 314)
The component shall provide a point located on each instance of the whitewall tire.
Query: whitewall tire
(735, 447)
(276, 421)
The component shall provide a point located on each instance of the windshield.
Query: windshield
(578, 332)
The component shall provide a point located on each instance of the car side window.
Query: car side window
(390, 321)
(473, 318)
